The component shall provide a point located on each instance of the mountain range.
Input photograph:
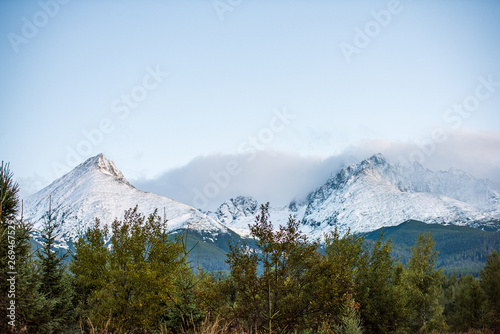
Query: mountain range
(374, 193)
(361, 197)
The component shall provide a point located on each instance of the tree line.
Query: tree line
(136, 278)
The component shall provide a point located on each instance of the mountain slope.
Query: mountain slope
(97, 189)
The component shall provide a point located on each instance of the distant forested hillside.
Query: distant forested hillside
(462, 249)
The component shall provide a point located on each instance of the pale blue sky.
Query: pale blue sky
(226, 78)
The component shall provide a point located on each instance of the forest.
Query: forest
(137, 278)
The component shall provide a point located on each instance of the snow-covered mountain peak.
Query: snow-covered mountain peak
(97, 189)
(371, 166)
(103, 165)
(234, 208)
(375, 193)
(376, 159)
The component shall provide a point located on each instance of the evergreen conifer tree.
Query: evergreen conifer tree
(421, 287)
(274, 283)
(380, 301)
(90, 268)
(19, 281)
(468, 305)
(55, 282)
(490, 282)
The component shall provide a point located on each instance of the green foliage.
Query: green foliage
(490, 283)
(16, 256)
(281, 283)
(368, 273)
(462, 249)
(30, 304)
(9, 194)
(12, 238)
(350, 321)
(420, 284)
(132, 283)
(90, 268)
(280, 296)
(340, 268)
(186, 312)
(55, 283)
(378, 296)
(468, 305)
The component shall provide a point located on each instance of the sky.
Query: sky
(203, 100)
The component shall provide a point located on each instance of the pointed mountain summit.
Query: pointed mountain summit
(107, 167)
(97, 189)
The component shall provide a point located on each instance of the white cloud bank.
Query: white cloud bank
(278, 177)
